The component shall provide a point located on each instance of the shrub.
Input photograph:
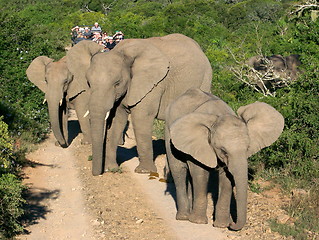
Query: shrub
(11, 203)
(6, 148)
(252, 11)
(11, 188)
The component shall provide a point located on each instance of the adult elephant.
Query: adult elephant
(203, 132)
(283, 67)
(140, 77)
(61, 89)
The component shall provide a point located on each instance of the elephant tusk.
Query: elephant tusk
(44, 101)
(61, 101)
(86, 114)
(107, 115)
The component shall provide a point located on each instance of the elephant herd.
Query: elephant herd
(167, 78)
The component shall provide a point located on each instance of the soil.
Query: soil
(66, 202)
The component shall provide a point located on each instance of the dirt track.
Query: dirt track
(67, 202)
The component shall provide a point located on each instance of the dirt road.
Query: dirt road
(67, 202)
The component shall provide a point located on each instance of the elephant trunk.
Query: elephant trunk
(58, 118)
(98, 132)
(240, 175)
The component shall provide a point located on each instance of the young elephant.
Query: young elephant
(203, 132)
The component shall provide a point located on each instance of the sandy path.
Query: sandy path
(56, 204)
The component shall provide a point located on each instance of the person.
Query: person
(110, 44)
(96, 28)
(79, 38)
(87, 33)
(96, 37)
(104, 37)
(118, 36)
(74, 33)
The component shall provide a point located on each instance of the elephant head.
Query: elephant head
(60, 83)
(128, 72)
(230, 139)
(283, 67)
(78, 61)
(54, 79)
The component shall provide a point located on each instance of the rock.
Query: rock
(283, 218)
(232, 236)
(268, 231)
(139, 221)
(95, 222)
(299, 193)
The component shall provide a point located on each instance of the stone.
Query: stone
(283, 218)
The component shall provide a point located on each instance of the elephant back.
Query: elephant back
(192, 100)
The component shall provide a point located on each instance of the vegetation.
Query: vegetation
(10, 187)
(229, 31)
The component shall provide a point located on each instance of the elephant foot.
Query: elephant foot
(145, 170)
(183, 216)
(221, 224)
(199, 219)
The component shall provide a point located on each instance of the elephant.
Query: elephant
(139, 77)
(271, 72)
(203, 133)
(62, 89)
(283, 66)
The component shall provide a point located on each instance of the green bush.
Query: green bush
(11, 203)
(253, 11)
(11, 188)
(6, 148)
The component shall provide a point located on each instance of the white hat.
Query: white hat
(96, 23)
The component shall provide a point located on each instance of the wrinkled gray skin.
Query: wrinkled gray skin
(203, 132)
(283, 66)
(140, 77)
(62, 90)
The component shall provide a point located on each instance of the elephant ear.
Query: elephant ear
(36, 72)
(78, 62)
(191, 134)
(149, 66)
(264, 123)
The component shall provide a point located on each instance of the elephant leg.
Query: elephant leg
(222, 212)
(114, 134)
(81, 107)
(143, 124)
(200, 178)
(178, 171)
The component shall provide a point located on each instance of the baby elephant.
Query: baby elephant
(203, 132)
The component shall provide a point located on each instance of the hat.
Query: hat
(96, 23)
(110, 37)
(86, 28)
(76, 27)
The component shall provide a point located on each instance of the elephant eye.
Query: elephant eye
(116, 84)
(224, 152)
